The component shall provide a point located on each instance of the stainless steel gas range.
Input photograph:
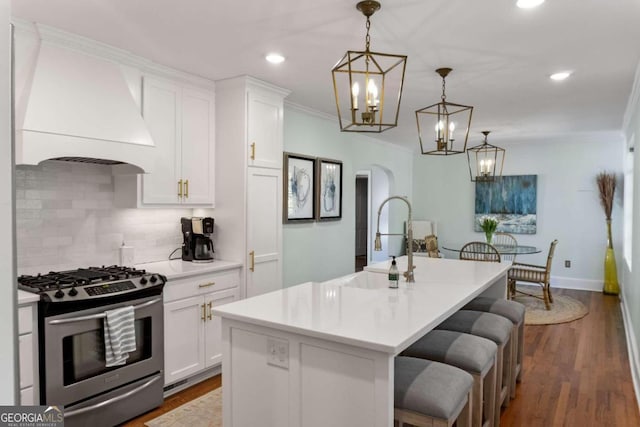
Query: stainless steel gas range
(71, 321)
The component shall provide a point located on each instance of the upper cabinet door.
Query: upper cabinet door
(265, 114)
(198, 146)
(161, 111)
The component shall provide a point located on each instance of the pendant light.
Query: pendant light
(368, 85)
(443, 128)
(485, 161)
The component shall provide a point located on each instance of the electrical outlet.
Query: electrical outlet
(567, 263)
(278, 352)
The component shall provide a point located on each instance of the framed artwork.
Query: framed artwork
(329, 191)
(299, 188)
(511, 200)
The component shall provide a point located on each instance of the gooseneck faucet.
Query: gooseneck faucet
(378, 243)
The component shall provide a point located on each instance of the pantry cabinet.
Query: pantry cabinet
(181, 121)
(249, 179)
(192, 334)
(264, 129)
(264, 219)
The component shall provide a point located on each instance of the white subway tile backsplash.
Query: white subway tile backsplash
(28, 204)
(66, 219)
(57, 241)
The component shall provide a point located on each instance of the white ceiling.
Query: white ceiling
(501, 55)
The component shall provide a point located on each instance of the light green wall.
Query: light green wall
(319, 251)
(568, 206)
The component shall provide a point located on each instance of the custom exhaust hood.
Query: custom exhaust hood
(73, 106)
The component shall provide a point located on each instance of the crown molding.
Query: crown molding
(87, 46)
(332, 118)
(310, 111)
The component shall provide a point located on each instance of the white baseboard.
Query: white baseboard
(632, 347)
(571, 283)
(190, 381)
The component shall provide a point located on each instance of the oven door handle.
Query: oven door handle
(112, 400)
(100, 315)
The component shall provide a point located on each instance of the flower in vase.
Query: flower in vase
(488, 224)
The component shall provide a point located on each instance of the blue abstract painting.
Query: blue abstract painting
(511, 200)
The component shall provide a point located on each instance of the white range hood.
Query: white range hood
(75, 106)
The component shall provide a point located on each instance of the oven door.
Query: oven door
(74, 352)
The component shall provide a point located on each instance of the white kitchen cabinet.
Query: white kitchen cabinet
(264, 129)
(264, 219)
(192, 335)
(181, 120)
(249, 180)
(27, 350)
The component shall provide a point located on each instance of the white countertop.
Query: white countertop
(360, 309)
(25, 297)
(177, 269)
(435, 270)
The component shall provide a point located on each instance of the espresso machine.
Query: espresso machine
(197, 245)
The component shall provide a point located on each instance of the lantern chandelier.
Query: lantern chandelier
(442, 123)
(485, 161)
(368, 85)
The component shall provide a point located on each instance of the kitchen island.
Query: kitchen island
(321, 354)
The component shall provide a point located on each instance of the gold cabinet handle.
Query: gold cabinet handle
(253, 151)
(252, 254)
(204, 314)
(180, 188)
(186, 189)
(209, 316)
(206, 285)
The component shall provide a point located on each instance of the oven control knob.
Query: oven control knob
(73, 292)
(153, 279)
(143, 281)
(59, 294)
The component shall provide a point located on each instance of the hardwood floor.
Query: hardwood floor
(575, 374)
(175, 400)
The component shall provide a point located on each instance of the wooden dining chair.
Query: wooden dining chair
(506, 241)
(479, 251)
(538, 274)
(431, 242)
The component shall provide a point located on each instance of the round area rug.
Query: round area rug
(564, 309)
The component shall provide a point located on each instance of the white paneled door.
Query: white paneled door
(264, 222)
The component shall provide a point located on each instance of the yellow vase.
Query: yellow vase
(611, 286)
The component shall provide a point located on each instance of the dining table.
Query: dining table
(502, 249)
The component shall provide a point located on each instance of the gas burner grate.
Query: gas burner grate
(80, 277)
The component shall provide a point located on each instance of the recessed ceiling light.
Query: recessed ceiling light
(560, 76)
(528, 4)
(275, 58)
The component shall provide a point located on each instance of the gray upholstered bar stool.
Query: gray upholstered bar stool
(497, 329)
(429, 394)
(475, 355)
(513, 311)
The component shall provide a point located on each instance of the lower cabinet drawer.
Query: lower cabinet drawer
(203, 284)
(25, 319)
(25, 343)
(26, 396)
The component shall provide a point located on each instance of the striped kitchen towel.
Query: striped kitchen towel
(119, 335)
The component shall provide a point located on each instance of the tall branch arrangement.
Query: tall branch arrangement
(607, 187)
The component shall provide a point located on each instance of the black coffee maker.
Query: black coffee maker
(196, 244)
